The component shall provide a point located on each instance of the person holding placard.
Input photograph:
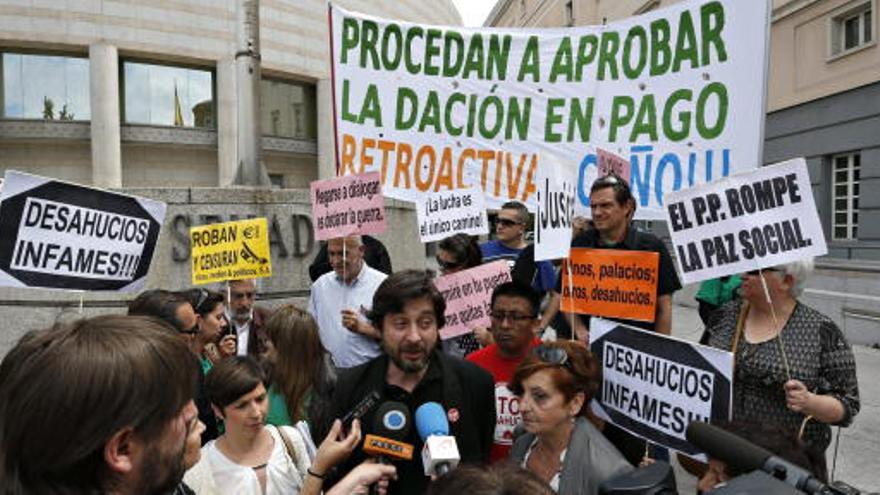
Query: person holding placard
(613, 206)
(793, 366)
(340, 301)
(211, 318)
(554, 385)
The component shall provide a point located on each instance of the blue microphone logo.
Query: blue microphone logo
(394, 420)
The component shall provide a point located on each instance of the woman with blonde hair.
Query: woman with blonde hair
(300, 372)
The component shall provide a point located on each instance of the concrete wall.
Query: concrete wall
(293, 249)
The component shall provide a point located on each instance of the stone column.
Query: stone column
(326, 154)
(227, 122)
(104, 103)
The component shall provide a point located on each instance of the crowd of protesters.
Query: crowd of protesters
(204, 391)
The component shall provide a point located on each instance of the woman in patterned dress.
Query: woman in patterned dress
(793, 366)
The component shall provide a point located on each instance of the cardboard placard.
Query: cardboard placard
(443, 214)
(230, 251)
(654, 385)
(610, 163)
(556, 200)
(348, 205)
(744, 222)
(58, 235)
(611, 283)
(468, 296)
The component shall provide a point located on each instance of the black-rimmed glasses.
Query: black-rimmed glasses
(514, 317)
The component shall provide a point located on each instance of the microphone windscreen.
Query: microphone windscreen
(740, 454)
(392, 420)
(431, 420)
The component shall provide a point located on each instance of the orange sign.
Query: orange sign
(608, 282)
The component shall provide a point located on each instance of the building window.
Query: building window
(845, 197)
(288, 109)
(852, 29)
(46, 87)
(167, 95)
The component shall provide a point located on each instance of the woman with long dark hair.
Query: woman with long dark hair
(300, 372)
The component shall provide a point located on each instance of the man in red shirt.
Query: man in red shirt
(514, 325)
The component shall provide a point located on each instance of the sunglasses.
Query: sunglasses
(203, 296)
(506, 222)
(553, 355)
(447, 265)
(755, 273)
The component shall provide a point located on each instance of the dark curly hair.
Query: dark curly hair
(402, 287)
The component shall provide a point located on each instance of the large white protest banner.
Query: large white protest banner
(556, 198)
(445, 107)
(653, 385)
(445, 213)
(744, 222)
(58, 235)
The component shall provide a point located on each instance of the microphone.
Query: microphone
(392, 425)
(745, 456)
(360, 409)
(440, 451)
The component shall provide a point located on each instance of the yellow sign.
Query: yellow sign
(230, 251)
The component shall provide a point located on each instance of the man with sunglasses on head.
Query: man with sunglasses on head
(515, 320)
(613, 206)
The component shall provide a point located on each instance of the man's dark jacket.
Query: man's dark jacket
(466, 392)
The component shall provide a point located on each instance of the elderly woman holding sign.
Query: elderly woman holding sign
(793, 366)
(554, 385)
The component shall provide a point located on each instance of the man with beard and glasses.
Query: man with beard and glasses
(246, 319)
(409, 311)
(103, 405)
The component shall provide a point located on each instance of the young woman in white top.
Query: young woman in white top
(252, 458)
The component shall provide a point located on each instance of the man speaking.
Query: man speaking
(408, 311)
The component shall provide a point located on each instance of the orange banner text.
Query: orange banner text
(611, 283)
(427, 168)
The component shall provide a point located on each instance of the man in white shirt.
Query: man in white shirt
(340, 300)
(245, 318)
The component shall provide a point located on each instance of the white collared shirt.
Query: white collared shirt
(330, 295)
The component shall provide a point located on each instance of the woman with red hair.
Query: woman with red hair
(554, 385)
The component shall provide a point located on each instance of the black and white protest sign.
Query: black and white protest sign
(556, 197)
(460, 211)
(744, 222)
(653, 385)
(59, 235)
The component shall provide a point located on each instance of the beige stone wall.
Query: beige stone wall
(70, 161)
(801, 68)
(151, 165)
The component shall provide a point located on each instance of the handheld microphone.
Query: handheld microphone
(440, 451)
(745, 456)
(392, 425)
(360, 409)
